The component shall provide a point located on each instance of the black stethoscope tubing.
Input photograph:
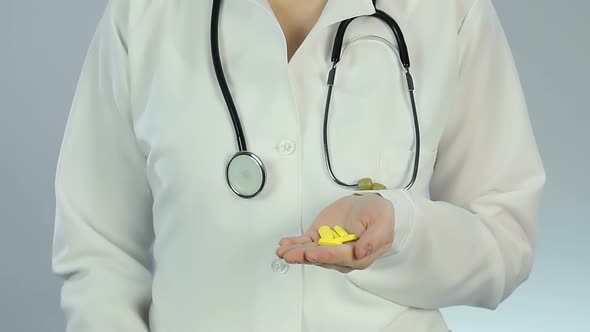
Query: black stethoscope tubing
(405, 60)
(336, 56)
(240, 137)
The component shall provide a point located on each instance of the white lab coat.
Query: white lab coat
(148, 137)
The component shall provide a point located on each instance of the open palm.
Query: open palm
(370, 217)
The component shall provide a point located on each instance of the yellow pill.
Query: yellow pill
(334, 234)
(378, 186)
(347, 238)
(365, 184)
(326, 233)
(324, 242)
(340, 231)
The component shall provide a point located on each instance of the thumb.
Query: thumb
(376, 236)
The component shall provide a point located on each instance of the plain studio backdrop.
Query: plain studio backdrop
(43, 44)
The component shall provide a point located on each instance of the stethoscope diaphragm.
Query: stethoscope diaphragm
(245, 174)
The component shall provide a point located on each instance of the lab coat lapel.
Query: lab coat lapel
(334, 12)
(339, 10)
(244, 64)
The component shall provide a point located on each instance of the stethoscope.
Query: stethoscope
(245, 172)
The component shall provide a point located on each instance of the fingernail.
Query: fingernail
(367, 251)
(311, 259)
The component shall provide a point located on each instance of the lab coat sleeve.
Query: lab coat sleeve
(103, 224)
(472, 242)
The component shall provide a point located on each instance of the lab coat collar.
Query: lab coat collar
(334, 12)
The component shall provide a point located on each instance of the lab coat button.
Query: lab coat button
(279, 265)
(286, 146)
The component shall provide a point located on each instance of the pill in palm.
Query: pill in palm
(334, 237)
(333, 242)
(326, 233)
(340, 231)
(347, 238)
(335, 234)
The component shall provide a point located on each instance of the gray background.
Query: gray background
(42, 46)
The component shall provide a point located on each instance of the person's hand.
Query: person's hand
(370, 216)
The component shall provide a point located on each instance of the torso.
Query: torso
(296, 18)
(182, 127)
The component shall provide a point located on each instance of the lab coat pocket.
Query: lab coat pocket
(397, 167)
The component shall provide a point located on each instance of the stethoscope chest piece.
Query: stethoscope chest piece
(245, 174)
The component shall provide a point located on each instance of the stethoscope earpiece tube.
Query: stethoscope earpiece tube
(405, 61)
(339, 39)
(399, 36)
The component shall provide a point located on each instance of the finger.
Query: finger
(314, 235)
(300, 239)
(296, 255)
(361, 264)
(378, 235)
(338, 255)
(281, 250)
